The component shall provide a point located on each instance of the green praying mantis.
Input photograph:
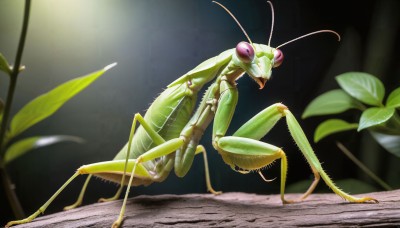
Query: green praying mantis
(169, 133)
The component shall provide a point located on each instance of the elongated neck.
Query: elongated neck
(231, 72)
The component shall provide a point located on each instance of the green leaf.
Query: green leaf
(48, 103)
(374, 116)
(23, 146)
(331, 102)
(332, 126)
(363, 87)
(391, 143)
(393, 100)
(4, 66)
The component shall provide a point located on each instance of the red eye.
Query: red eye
(278, 57)
(245, 52)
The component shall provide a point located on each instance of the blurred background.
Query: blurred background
(155, 42)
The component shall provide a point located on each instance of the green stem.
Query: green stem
(10, 193)
(13, 77)
(6, 180)
(6, 115)
(382, 183)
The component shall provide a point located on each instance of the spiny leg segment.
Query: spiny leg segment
(259, 154)
(305, 147)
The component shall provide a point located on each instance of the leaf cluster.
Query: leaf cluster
(366, 93)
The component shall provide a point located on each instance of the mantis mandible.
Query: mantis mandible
(169, 133)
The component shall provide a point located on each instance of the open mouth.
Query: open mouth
(261, 82)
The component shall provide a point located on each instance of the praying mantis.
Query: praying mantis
(169, 134)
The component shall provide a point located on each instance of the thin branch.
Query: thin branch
(6, 180)
(382, 183)
(13, 77)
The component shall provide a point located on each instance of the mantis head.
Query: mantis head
(257, 60)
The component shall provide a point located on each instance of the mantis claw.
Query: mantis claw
(265, 179)
(115, 197)
(284, 201)
(215, 192)
(102, 200)
(75, 205)
(365, 200)
(117, 224)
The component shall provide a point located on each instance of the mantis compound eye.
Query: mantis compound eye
(278, 57)
(245, 52)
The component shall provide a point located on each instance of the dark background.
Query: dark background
(154, 42)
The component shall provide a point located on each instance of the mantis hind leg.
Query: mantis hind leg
(87, 170)
(153, 135)
(44, 206)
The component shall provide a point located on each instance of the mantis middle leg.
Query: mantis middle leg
(201, 149)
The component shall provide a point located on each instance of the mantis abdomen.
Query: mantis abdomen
(166, 120)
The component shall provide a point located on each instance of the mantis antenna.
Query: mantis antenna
(234, 18)
(309, 34)
(272, 22)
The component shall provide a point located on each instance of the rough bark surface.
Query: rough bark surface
(232, 210)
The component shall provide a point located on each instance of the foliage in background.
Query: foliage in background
(379, 116)
(32, 113)
(365, 93)
(371, 51)
(39, 109)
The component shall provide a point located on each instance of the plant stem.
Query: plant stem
(13, 77)
(6, 180)
(10, 193)
(382, 183)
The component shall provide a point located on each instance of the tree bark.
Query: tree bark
(232, 210)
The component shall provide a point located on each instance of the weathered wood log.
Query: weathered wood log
(232, 210)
